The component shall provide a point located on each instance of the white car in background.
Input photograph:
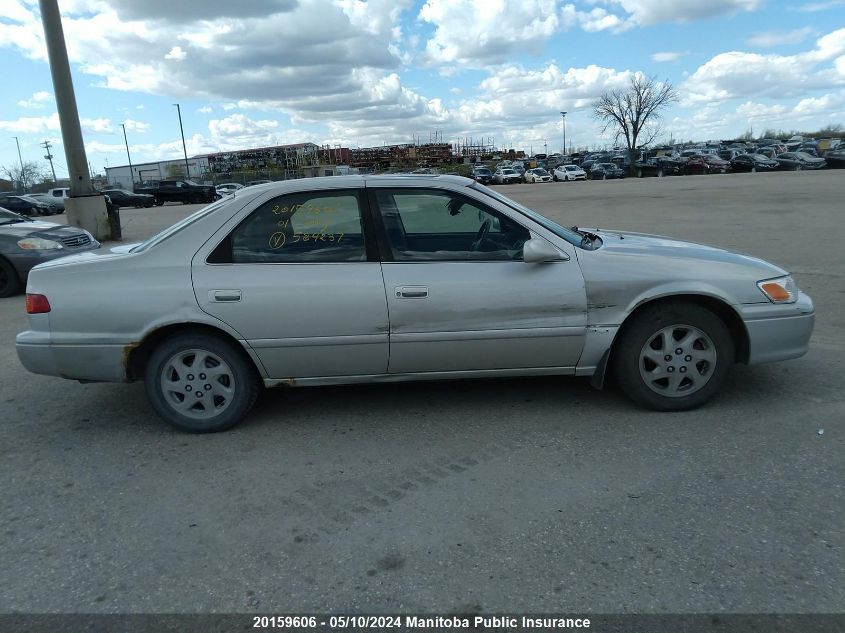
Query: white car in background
(568, 172)
(227, 187)
(537, 174)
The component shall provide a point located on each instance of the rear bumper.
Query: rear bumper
(100, 363)
(779, 332)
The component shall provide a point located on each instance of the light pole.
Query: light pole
(563, 116)
(23, 184)
(129, 158)
(184, 149)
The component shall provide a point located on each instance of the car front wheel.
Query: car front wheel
(673, 357)
(199, 383)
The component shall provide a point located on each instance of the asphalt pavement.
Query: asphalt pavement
(535, 494)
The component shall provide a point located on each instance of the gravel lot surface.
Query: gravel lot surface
(535, 494)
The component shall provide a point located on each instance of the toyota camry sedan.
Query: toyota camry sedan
(361, 279)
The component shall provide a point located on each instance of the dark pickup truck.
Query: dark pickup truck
(184, 191)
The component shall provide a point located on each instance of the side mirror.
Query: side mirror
(536, 251)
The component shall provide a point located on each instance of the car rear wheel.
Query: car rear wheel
(199, 383)
(673, 357)
(9, 282)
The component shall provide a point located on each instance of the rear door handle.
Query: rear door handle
(411, 292)
(224, 296)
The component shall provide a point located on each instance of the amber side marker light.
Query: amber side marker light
(776, 292)
(37, 304)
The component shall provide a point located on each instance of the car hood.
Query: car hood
(46, 230)
(659, 246)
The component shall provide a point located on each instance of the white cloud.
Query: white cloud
(96, 126)
(769, 39)
(136, 126)
(471, 32)
(32, 125)
(649, 12)
(37, 100)
(812, 7)
(737, 74)
(206, 109)
(668, 56)
(176, 53)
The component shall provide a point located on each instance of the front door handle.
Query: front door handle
(224, 296)
(411, 292)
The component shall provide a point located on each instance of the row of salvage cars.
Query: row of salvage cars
(713, 164)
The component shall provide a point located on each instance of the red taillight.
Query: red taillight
(37, 304)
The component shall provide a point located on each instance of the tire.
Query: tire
(639, 362)
(233, 387)
(10, 284)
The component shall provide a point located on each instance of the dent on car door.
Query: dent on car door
(294, 278)
(460, 297)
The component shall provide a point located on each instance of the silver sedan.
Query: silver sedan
(364, 279)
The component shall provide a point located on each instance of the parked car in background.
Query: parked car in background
(506, 176)
(716, 165)
(835, 158)
(538, 174)
(184, 191)
(25, 242)
(226, 188)
(58, 204)
(482, 175)
(26, 205)
(796, 161)
(59, 192)
(193, 302)
(752, 163)
(123, 198)
(566, 173)
(660, 166)
(518, 168)
(604, 171)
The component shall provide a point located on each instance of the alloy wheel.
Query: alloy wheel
(677, 361)
(197, 383)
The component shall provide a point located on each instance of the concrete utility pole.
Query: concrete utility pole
(184, 149)
(85, 207)
(21, 180)
(49, 157)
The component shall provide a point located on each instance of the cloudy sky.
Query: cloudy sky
(251, 73)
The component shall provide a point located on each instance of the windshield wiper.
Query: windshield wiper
(14, 221)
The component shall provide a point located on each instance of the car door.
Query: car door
(459, 295)
(294, 278)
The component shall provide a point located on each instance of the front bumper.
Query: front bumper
(779, 332)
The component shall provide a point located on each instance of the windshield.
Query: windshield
(569, 235)
(571, 168)
(9, 217)
(160, 237)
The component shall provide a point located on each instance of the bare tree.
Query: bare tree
(633, 113)
(25, 176)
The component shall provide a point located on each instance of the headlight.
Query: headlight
(780, 289)
(38, 244)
